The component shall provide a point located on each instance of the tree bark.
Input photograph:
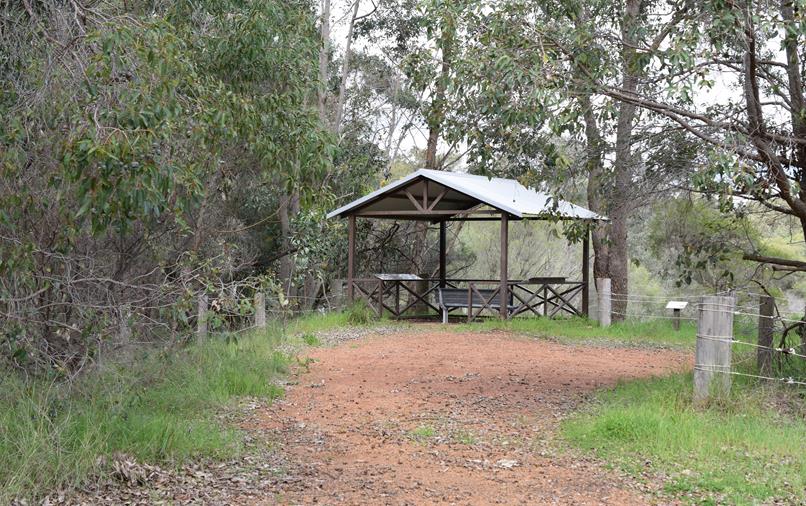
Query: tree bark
(345, 70)
(796, 98)
(596, 191)
(436, 115)
(623, 166)
(289, 207)
(324, 59)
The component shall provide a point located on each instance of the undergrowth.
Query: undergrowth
(160, 407)
(573, 330)
(744, 449)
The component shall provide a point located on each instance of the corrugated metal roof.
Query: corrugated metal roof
(503, 194)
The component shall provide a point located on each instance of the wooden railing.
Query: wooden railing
(543, 296)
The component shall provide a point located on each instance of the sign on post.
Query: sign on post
(676, 306)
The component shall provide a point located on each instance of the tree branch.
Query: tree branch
(796, 264)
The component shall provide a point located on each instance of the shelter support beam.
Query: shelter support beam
(443, 246)
(586, 253)
(351, 259)
(503, 292)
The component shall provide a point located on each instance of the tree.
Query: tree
(757, 136)
(125, 129)
(522, 102)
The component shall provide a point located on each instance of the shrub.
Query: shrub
(161, 409)
(359, 313)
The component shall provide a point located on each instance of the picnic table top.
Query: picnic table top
(398, 277)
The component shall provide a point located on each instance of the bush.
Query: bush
(359, 313)
(311, 340)
(161, 410)
(736, 452)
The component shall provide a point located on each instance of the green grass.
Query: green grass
(742, 450)
(318, 322)
(422, 433)
(657, 332)
(463, 437)
(163, 409)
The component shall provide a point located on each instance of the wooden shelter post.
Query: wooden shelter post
(586, 252)
(443, 246)
(504, 306)
(350, 258)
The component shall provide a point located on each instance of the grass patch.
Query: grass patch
(162, 409)
(359, 313)
(743, 450)
(318, 322)
(311, 340)
(422, 433)
(464, 437)
(573, 330)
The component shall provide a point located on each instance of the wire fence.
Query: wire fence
(752, 315)
(746, 310)
(751, 321)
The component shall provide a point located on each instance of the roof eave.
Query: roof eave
(430, 175)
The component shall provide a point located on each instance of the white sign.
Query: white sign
(676, 304)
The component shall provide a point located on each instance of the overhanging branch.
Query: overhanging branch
(795, 265)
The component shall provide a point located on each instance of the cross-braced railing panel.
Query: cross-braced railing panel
(547, 297)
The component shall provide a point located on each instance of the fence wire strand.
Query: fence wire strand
(788, 380)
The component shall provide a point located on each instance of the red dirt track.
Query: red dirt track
(449, 418)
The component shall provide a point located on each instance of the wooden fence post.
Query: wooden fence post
(380, 298)
(676, 320)
(713, 350)
(201, 319)
(336, 298)
(766, 308)
(124, 326)
(604, 298)
(260, 310)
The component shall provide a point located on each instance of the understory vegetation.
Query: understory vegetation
(742, 450)
(576, 330)
(160, 407)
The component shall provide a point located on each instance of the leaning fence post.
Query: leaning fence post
(124, 325)
(260, 310)
(604, 301)
(201, 320)
(766, 308)
(336, 301)
(712, 356)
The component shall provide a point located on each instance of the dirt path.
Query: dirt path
(436, 417)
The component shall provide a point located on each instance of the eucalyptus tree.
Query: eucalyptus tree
(730, 75)
(125, 129)
(523, 105)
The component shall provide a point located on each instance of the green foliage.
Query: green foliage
(359, 313)
(311, 339)
(141, 143)
(115, 157)
(422, 433)
(575, 330)
(162, 409)
(698, 243)
(739, 452)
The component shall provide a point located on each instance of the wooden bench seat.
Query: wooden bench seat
(470, 298)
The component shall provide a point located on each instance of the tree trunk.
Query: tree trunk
(345, 71)
(795, 90)
(436, 115)
(623, 166)
(596, 191)
(324, 58)
(289, 207)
